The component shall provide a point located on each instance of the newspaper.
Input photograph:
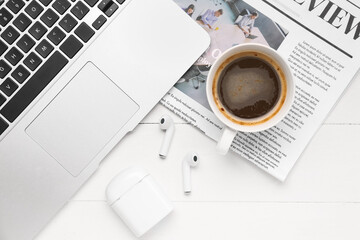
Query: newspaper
(319, 39)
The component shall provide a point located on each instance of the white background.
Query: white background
(231, 199)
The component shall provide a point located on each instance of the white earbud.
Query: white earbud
(167, 124)
(190, 160)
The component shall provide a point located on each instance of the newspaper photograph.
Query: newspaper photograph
(319, 39)
(226, 30)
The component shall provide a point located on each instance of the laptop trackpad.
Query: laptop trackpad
(75, 127)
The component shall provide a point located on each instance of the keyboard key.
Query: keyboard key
(46, 2)
(120, 1)
(15, 5)
(10, 34)
(49, 17)
(22, 22)
(4, 69)
(111, 10)
(20, 74)
(80, 10)
(32, 61)
(3, 47)
(31, 89)
(61, 6)
(84, 32)
(14, 56)
(37, 30)
(71, 46)
(34, 9)
(5, 17)
(68, 23)
(25, 43)
(56, 35)
(8, 87)
(3, 124)
(91, 3)
(2, 100)
(104, 5)
(97, 24)
(44, 48)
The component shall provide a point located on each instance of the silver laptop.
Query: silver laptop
(75, 77)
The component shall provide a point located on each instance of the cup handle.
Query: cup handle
(225, 141)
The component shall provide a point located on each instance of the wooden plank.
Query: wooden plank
(214, 221)
(328, 171)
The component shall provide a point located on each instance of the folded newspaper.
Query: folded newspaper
(319, 39)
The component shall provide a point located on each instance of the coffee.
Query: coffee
(249, 85)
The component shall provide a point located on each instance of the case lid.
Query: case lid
(123, 182)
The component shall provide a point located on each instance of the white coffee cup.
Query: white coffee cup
(234, 123)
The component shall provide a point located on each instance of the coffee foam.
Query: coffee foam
(248, 88)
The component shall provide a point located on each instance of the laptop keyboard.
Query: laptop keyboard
(37, 40)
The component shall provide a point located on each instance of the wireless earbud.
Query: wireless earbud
(190, 160)
(167, 124)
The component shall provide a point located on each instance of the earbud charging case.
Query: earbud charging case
(138, 200)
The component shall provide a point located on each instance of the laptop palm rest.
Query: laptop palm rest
(75, 127)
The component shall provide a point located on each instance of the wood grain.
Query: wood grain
(232, 199)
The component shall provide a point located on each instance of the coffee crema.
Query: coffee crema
(249, 88)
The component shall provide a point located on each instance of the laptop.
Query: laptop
(75, 78)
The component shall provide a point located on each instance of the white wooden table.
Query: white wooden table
(232, 199)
